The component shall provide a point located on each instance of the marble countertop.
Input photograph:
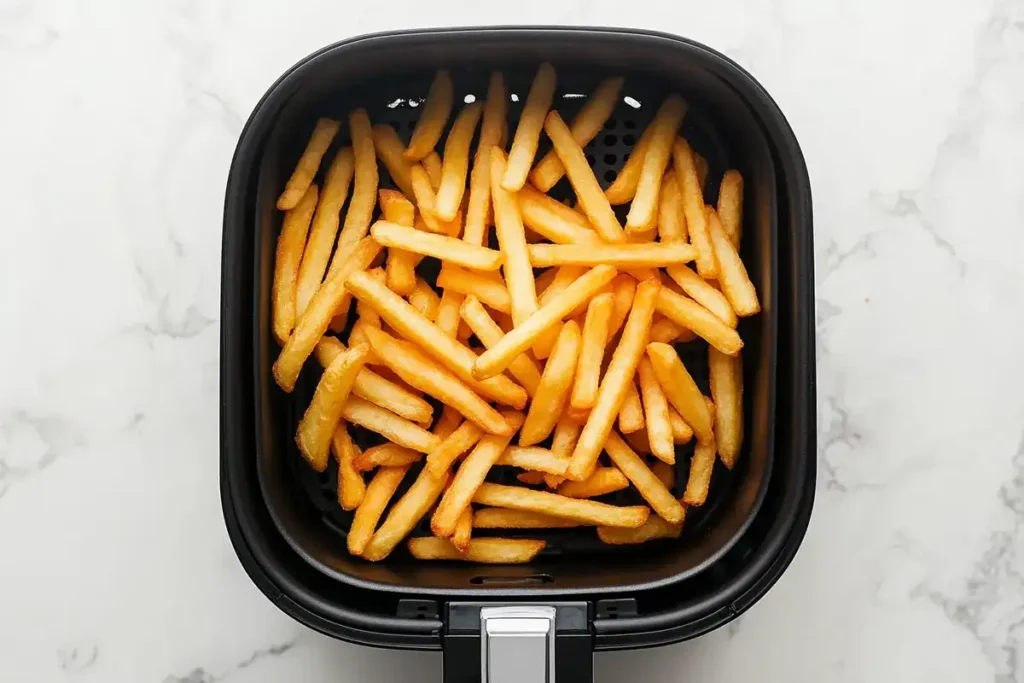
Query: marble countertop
(118, 119)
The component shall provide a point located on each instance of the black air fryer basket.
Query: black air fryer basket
(542, 620)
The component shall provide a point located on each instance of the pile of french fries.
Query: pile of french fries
(562, 335)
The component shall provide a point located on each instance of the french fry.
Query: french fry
(730, 205)
(448, 249)
(631, 414)
(324, 411)
(481, 550)
(703, 322)
(389, 149)
(732, 274)
(413, 326)
(324, 231)
(665, 473)
(654, 528)
(469, 477)
(488, 290)
(455, 444)
(669, 332)
(401, 264)
(680, 389)
(643, 210)
(531, 478)
(396, 429)
(681, 432)
(527, 136)
(584, 127)
(604, 480)
(693, 208)
(552, 206)
(426, 200)
(463, 530)
(424, 299)
(313, 323)
(643, 255)
(447, 423)
(616, 382)
(697, 288)
(422, 372)
(290, 245)
(386, 455)
(494, 121)
(567, 432)
(364, 190)
(595, 338)
(405, 514)
(587, 511)
(502, 518)
(624, 188)
(727, 391)
(623, 291)
(302, 177)
(555, 384)
(539, 217)
(512, 240)
(523, 368)
(366, 315)
(650, 487)
(433, 165)
(595, 205)
(382, 487)
(533, 458)
(351, 487)
(456, 161)
(564, 277)
(671, 220)
(701, 466)
(639, 441)
(656, 417)
(447, 317)
(436, 110)
(701, 164)
(497, 358)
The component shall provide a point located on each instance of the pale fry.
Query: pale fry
(595, 205)
(616, 382)
(703, 322)
(396, 429)
(364, 190)
(631, 414)
(405, 514)
(539, 216)
(469, 477)
(643, 255)
(389, 149)
(701, 466)
(494, 121)
(555, 383)
(324, 410)
(436, 110)
(454, 445)
(698, 289)
(401, 264)
(497, 358)
(624, 187)
(386, 455)
(533, 458)
(290, 245)
(302, 177)
(523, 368)
(508, 225)
(584, 127)
(456, 161)
(351, 487)
(447, 249)
(730, 205)
(413, 326)
(656, 416)
(382, 487)
(503, 518)
(680, 389)
(681, 432)
(489, 290)
(623, 291)
(643, 210)
(654, 528)
(481, 550)
(527, 135)
(322, 235)
(671, 220)
(587, 511)
(727, 391)
(424, 299)
(693, 208)
(650, 487)
(592, 347)
(433, 165)
(732, 274)
(604, 480)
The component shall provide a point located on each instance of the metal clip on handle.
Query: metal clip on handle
(517, 644)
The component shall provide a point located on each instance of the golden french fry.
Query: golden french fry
(584, 128)
(531, 478)
(703, 322)
(730, 205)
(481, 550)
(523, 368)
(701, 165)
(378, 494)
(469, 477)
(394, 428)
(656, 416)
(533, 458)
(426, 201)
(502, 518)
(489, 290)
(433, 165)
(424, 299)
(654, 528)
(650, 487)
(639, 441)
(386, 455)
(671, 220)
(643, 210)
(401, 264)
(595, 205)
(669, 332)
(290, 245)
(631, 414)
(389, 149)
(422, 372)
(727, 390)
(681, 432)
(732, 274)
(701, 466)
(624, 187)
(448, 249)
(616, 382)
(555, 384)
(366, 315)
(623, 291)
(497, 358)
(324, 410)
(564, 277)
(456, 161)
(447, 423)
(527, 136)
(595, 338)
(512, 241)
(538, 216)
(665, 473)
(646, 254)
(454, 445)
(436, 110)
(693, 208)
(357, 336)
(680, 389)
(698, 289)
(447, 317)
(587, 511)
(567, 431)
(302, 177)
(351, 487)
(463, 530)
(604, 480)
(405, 514)
(494, 121)
(364, 190)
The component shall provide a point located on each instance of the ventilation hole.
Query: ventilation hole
(628, 123)
(628, 140)
(590, 159)
(610, 159)
(469, 99)
(610, 139)
(514, 97)
(610, 124)
(610, 175)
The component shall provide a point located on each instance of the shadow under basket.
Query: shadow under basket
(284, 518)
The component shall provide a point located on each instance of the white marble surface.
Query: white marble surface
(117, 123)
